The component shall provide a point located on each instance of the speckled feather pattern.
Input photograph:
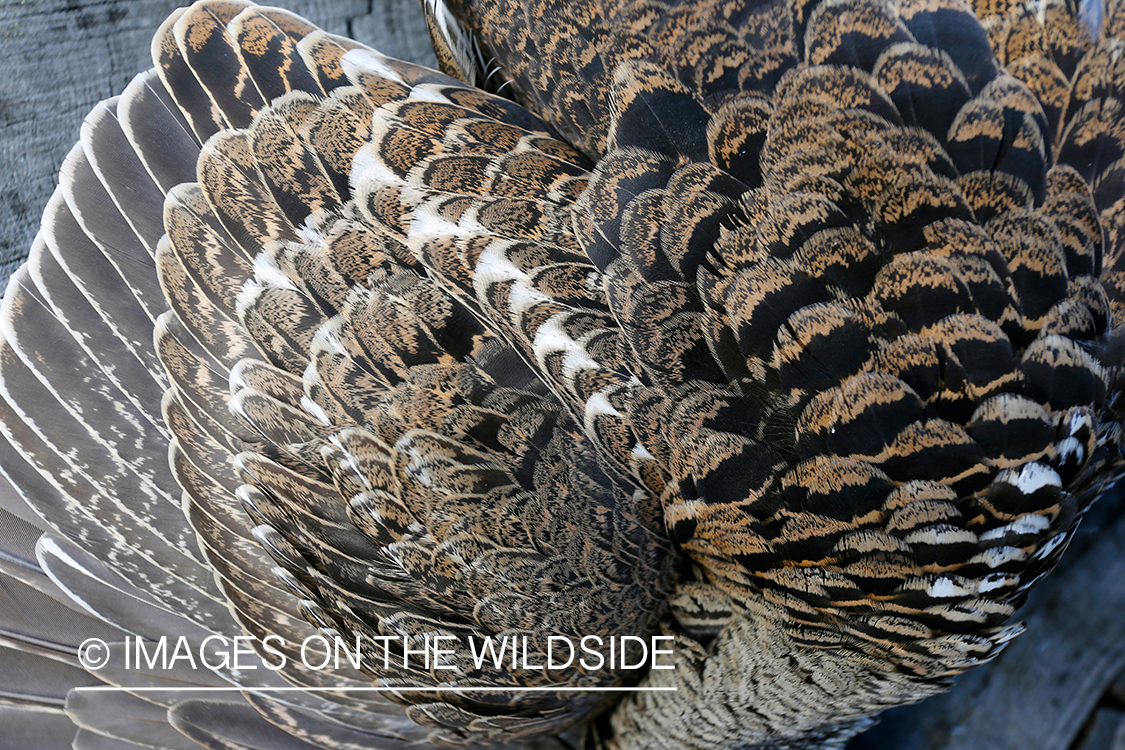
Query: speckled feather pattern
(785, 330)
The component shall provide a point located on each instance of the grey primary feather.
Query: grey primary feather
(768, 329)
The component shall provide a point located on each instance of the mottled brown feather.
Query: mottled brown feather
(786, 331)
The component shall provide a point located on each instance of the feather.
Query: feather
(783, 331)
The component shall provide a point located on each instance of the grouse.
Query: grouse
(775, 339)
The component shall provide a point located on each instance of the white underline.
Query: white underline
(114, 688)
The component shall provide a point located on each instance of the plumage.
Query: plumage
(786, 332)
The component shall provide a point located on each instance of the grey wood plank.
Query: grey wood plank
(1043, 690)
(61, 57)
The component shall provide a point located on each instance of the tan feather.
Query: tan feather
(785, 332)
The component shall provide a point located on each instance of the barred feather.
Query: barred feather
(787, 332)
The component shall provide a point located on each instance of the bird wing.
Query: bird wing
(322, 439)
(812, 371)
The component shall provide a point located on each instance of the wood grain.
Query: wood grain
(1043, 691)
(61, 57)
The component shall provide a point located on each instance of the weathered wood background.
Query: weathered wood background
(1059, 686)
(58, 58)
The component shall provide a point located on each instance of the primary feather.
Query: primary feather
(784, 330)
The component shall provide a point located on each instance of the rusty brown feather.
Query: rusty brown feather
(784, 331)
